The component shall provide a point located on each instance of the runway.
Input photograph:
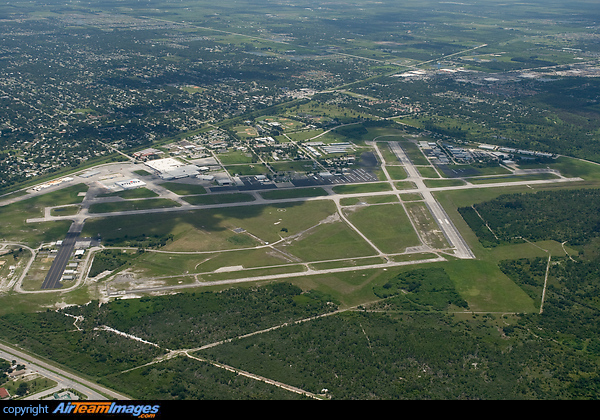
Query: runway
(52, 280)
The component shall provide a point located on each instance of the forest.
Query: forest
(564, 216)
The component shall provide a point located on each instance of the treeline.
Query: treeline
(140, 241)
(568, 215)
(109, 260)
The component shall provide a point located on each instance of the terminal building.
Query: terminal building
(170, 168)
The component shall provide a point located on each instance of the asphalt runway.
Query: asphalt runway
(52, 280)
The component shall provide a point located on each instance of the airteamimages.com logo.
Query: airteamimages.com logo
(79, 408)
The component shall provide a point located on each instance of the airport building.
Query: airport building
(130, 184)
(170, 168)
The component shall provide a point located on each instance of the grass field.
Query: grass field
(293, 193)
(296, 165)
(130, 194)
(219, 198)
(362, 188)
(386, 225)
(428, 172)
(512, 178)
(234, 157)
(183, 189)
(426, 225)
(13, 226)
(254, 169)
(405, 185)
(65, 211)
(486, 288)
(213, 230)
(414, 153)
(411, 197)
(327, 242)
(397, 173)
(374, 199)
(435, 183)
(155, 203)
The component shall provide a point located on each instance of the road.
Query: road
(63, 378)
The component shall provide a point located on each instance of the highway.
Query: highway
(63, 378)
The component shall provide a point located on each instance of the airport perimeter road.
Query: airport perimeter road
(462, 250)
(63, 378)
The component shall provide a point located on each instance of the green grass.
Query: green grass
(234, 157)
(571, 168)
(389, 157)
(219, 198)
(65, 211)
(512, 178)
(428, 172)
(157, 203)
(397, 173)
(411, 197)
(154, 264)
(300, 136)
(426, 225)
(436, 183)
(386, 225)
(184, 189)
(405, 185)
(293, 166)
(329, 241)
(13, 217)
(130, 194)
(254, 169)
(352, 262)
(414, 153)
(374, 199)
(486, 288)
(212, 229)
(293, 193)
(362, 188)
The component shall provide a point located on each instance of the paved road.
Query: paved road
(65, 379)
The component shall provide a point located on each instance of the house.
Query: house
(4, 394)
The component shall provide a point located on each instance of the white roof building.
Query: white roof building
(130, 184)
(170, 168)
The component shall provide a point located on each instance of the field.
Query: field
(294, 193)
(157, 203)
(388, 227)
(184, 189)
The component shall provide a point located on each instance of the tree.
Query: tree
(22, 389)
